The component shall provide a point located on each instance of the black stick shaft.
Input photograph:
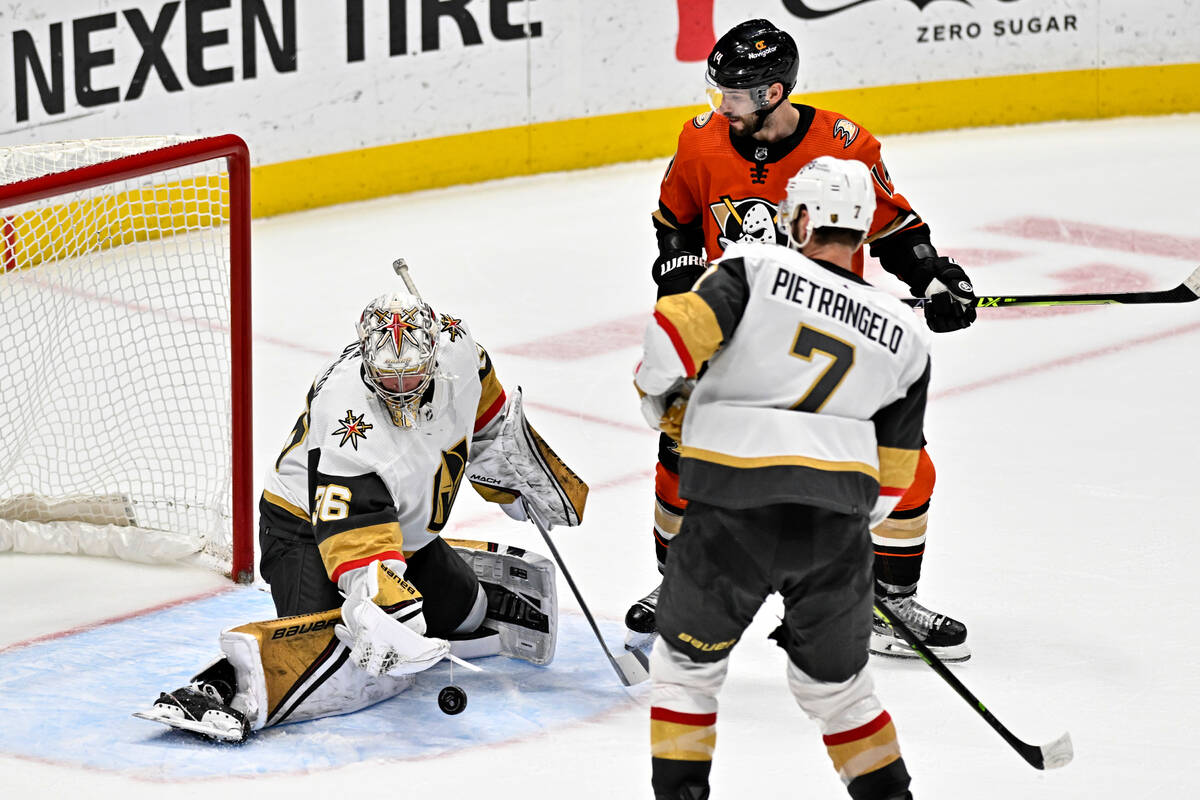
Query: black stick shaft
(1029, 752)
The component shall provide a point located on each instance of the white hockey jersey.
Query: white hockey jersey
(814, 390)
(364, 489)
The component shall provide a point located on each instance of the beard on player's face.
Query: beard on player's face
(742, 125)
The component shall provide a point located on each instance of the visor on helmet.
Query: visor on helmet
(735, 102)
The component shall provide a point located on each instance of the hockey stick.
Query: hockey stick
(1048, 756)
(628, 666)
(1185, 292)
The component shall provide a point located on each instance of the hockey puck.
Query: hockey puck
(452, 700)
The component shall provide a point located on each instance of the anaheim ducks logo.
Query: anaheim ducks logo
(445, 485)
(751, 218)
(845, 130)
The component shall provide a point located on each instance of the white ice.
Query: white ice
(1063, 528)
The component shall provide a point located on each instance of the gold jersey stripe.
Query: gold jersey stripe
(696, 324)
(897, 467)
(294, 510)
(360, 543)
(680, 742)
(755, 462)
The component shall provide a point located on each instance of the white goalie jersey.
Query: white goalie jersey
(814, 390)
(364, 489)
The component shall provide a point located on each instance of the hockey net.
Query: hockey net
(125, 350)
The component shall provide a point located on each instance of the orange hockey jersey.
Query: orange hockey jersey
(732, 186)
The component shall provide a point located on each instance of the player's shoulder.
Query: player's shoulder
(841, 130)
(702, 131)
(348, 424)
(457, 347)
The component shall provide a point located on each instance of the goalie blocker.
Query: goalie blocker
(296, 668)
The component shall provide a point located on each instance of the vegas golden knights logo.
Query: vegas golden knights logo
(445, 485)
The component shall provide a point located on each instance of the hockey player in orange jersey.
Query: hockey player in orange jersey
(724, 184)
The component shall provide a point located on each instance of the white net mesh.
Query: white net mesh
(115, 418)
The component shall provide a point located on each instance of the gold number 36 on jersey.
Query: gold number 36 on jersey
(841, 358)
(331, 502)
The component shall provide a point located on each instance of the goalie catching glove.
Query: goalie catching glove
(383, 622)
(518, 465)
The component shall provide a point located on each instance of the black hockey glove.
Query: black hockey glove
(676, 272)
(951, 305)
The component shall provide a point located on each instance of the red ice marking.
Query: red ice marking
(579, 415)
(974, 256)
(1103, 236)
(606, 337)
(1065, 361)
(121, 618)
(696, 34)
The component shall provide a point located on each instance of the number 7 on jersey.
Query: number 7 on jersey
(841, 359)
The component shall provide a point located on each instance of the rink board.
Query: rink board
(68, 701)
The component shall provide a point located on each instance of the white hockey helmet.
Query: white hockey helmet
(838, 193)
(398, 334)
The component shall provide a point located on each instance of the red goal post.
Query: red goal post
(125, 350)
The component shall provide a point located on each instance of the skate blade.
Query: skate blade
(893, 648)
(201, 728)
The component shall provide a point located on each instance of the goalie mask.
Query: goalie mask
(837, 193)
(398, 335)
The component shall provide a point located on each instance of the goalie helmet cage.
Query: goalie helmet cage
(125, 350)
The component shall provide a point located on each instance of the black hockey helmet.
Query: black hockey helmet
(752, 54)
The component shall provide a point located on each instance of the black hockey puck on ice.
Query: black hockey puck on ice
(452, 700)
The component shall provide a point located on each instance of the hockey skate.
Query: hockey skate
(641, 628)
(945, 636)
(202, 707)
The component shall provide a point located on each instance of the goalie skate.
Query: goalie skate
(945, 636)
(201, 709)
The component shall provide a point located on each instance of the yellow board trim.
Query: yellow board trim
(608, 139)
(107, 221)
(755, 462)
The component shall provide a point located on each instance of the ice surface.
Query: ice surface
(1062, 529)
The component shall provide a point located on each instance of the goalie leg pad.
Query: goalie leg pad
(294, 669)
(522, 597)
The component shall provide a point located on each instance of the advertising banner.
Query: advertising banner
(471, 89)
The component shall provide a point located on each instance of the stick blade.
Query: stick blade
(629, 668)
(1058, 753)
(1193, 282)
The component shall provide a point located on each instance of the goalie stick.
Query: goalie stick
(630, 667)
(1048, 756)
(1185, 292)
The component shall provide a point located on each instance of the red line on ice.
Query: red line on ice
(120, 618)
(1104, 236)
